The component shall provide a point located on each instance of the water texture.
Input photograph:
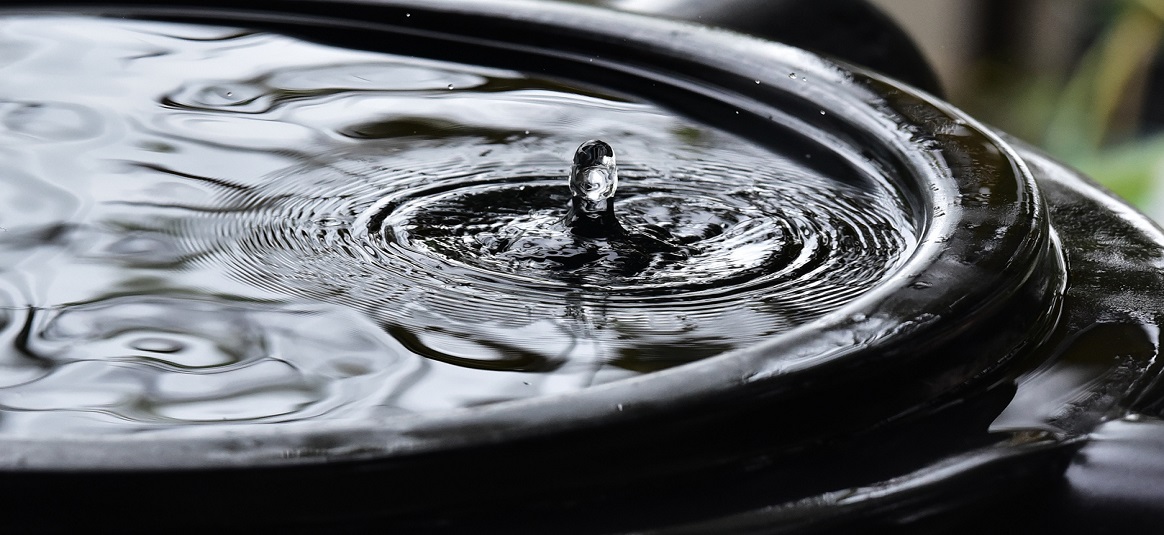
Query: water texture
(204, 225)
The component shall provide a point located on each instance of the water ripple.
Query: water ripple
(260, 229)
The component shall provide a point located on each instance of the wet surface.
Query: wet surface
(267, 250)
(203, 225)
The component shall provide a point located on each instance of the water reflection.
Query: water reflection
(236, 227)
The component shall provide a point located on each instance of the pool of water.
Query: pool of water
(207, 225)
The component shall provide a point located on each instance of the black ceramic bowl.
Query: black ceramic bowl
(878, 414)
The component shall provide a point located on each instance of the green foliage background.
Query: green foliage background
(1088, 116)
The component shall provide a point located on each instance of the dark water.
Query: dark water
(207, 225)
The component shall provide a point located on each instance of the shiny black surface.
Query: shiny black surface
(851, 30)
(1024, 321)
(220, 250)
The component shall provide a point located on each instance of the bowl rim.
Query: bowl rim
(971, 262)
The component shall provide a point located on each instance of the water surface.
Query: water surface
(203, 225)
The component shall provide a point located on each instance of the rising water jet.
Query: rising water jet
(849, 367)
(593, 184)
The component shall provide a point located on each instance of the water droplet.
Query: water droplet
(822, 112)
(757, 82)
(792, 75)
(450, 87)
(479, 215)
(594, 174)
(407, 15)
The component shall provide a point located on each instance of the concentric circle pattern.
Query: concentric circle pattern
(256, 228)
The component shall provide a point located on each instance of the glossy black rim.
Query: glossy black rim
(975, 291)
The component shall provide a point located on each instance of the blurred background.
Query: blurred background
(1083, 79)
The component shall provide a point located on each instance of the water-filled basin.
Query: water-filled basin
(330, 257)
